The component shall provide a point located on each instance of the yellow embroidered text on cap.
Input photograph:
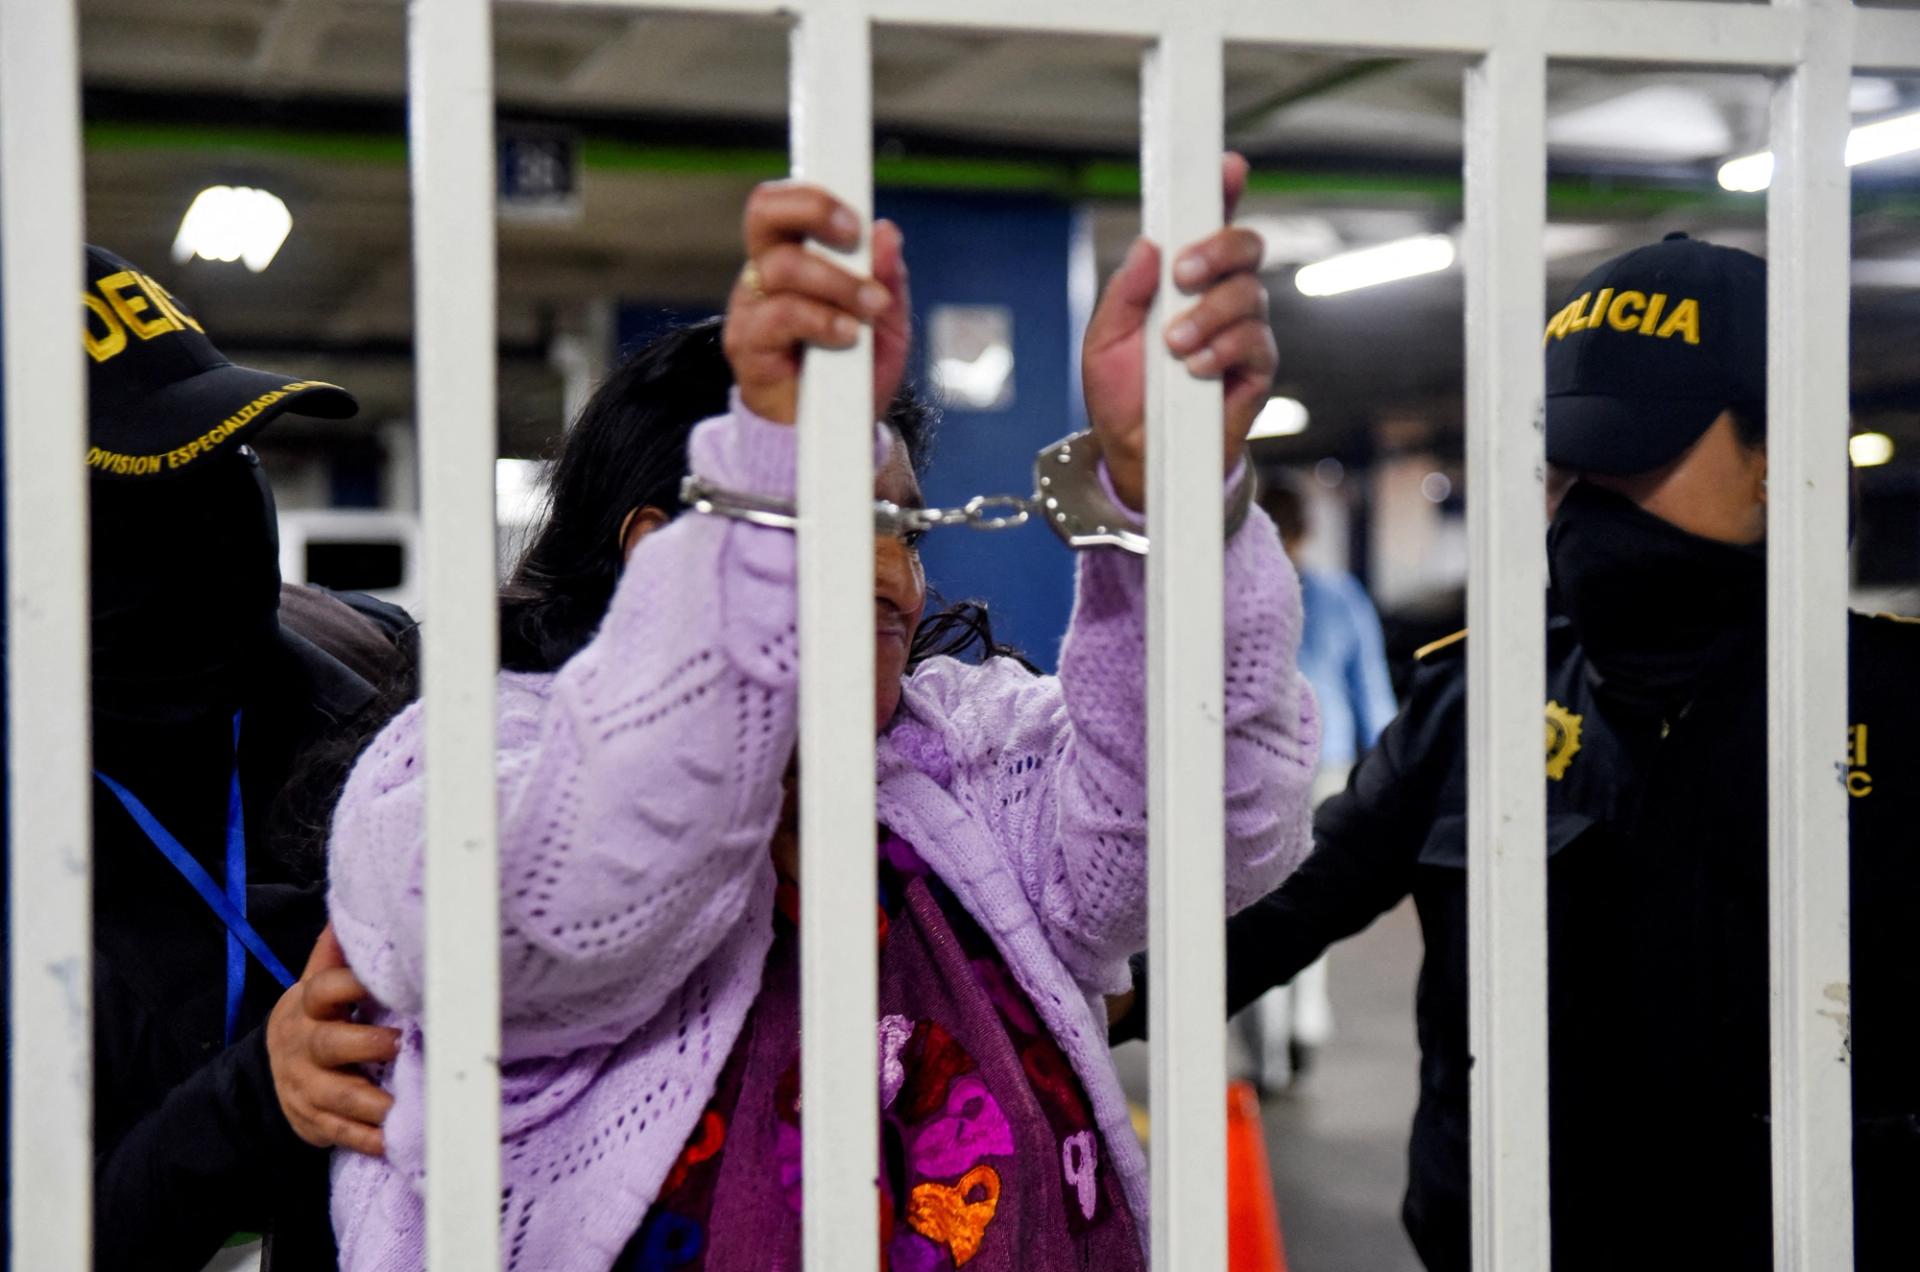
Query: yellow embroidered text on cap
(1628, 312)
(120, 465)
(124, 297)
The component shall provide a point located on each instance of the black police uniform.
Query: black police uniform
(1656, 837)
(198, 678)
(190, 1144)
(1657, 962)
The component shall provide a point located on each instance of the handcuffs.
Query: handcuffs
(1068, 496)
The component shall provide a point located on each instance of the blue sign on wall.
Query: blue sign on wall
(539, 173)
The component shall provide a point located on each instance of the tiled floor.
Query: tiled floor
(1338, 1140)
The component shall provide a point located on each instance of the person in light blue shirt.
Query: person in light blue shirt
(1343, 657)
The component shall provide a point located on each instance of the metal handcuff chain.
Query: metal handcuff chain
(1068, 496)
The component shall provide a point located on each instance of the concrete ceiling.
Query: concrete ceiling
(683, 113)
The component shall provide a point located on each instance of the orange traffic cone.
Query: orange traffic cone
(1253, 1220)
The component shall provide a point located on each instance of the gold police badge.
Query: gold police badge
(1563, 739)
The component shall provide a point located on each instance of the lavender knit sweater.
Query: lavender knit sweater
(640, 786)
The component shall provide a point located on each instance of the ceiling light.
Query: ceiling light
(1372, 266)
(1869, 450)
(1747, 174)
(233, 223)
(1280, 417)
(1866, 144)
(1883, 140)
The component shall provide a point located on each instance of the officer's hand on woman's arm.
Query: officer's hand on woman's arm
(315, 1049)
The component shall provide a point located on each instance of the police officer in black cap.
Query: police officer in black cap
(208, 871)
(1655, 770)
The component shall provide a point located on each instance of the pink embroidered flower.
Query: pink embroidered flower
(974, 1127)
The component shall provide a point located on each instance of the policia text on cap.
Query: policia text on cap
(1656, 816)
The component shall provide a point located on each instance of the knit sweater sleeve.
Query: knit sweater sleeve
(1057, 765)
(638, 786)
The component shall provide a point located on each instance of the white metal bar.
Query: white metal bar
(1506, 660)
(738, 8)
(49, 858)
(831, 119)
(1685, 32)
(452, 151)
(1671, 32)
(1371, 26)
(1464, 26)
(1136, 18)
(1182, 130)
(1808, 236)
(1886, 40)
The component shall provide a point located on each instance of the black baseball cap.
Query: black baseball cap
(1649, 349)
(160, 398)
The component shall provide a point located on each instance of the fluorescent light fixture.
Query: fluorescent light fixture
(1372, 266)
(1883, 140)
(1280, 417)
(233, 223)
(1866, 144)
(1748, 174)
(1869, 450)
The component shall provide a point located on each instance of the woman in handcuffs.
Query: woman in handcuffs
(649, 873)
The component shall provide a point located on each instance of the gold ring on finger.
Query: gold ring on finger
(751, 277)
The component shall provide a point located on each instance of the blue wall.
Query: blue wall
(1011, 251)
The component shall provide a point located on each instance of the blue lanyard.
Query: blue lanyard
(230, 905)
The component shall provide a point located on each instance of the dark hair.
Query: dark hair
(961, 629)
(1750, 423)
(628, 450)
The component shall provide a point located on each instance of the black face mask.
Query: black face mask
(185, 590)
(1657, 609)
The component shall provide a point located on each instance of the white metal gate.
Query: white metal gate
(1811, 46)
